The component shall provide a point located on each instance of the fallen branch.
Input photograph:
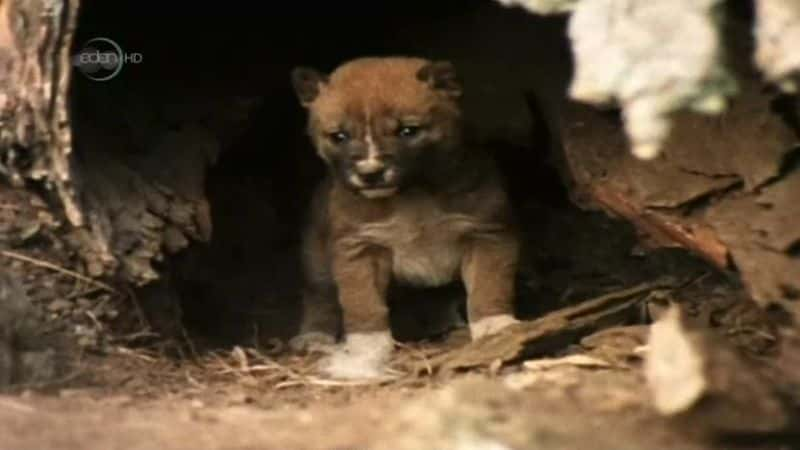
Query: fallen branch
(550, 333)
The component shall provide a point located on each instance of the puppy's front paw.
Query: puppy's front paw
(491, 325)
(361, 356)
(312, 341)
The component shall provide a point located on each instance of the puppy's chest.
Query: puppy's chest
(426, 243)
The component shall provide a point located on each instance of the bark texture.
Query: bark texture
(725, 187)
(35, 139)
(143, 162)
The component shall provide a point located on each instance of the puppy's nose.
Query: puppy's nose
(370, 166)
(371, 171)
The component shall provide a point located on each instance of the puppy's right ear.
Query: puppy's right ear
(307, 83)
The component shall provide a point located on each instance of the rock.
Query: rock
(26, 356)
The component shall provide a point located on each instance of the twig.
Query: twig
(271, 362)
(94, 320)
(139, 355)
(338, 383)
(143, 322)
(189, 343)
(134, 336)
(193, 381)
(48, 265)
(83, 293)
(425, 360)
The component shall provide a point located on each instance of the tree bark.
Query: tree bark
(727, 188)
(35, 139)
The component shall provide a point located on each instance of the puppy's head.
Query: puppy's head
(381, 123)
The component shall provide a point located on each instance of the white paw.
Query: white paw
(491, 325)
(361, 356)
(312, 341)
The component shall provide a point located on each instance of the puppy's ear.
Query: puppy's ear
(441, 76)
(307, 83)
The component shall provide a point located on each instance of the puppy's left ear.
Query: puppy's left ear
(307, 83)
(441, 76)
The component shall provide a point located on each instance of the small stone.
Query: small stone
(86, 341)
(84, 303)
(241, 398)
(94, 269)
(59, 305)
(38, 202)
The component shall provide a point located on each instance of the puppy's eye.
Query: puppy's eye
(339, 137)
(408, 131)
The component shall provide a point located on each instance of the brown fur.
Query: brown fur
(449, 219)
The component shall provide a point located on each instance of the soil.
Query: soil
(145, 404)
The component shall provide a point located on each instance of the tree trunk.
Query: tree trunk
(35, 139)
(131, 195)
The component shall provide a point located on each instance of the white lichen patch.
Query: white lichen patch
(674, 369)
(653, 58)
(777, 34)
(542, 6)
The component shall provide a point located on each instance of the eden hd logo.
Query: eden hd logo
(102, 59)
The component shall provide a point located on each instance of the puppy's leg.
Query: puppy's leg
(488, 270)
(321, 317)
(321, 320)
(362, 279)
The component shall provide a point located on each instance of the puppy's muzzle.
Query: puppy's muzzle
(374, 178)
(371, 172)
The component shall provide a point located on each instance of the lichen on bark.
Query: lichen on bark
(777, 33)
(543, 6)
(653, 59)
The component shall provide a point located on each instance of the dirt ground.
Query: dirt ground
(146, 403)
(122, 388)
(138, 401)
